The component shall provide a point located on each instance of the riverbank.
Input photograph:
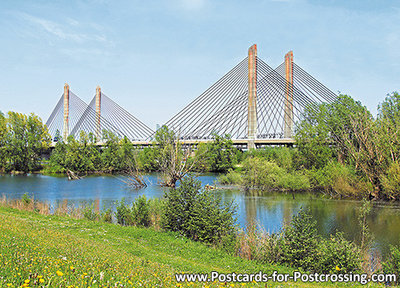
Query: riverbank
(64, 251)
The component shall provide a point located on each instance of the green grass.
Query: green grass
(95, 254)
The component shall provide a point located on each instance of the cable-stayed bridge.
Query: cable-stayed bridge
(253, 103)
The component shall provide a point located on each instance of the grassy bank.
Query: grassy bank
(58, 251)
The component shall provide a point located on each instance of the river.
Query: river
(270, 210)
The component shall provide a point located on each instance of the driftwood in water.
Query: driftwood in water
(72, 175)
(134, 178)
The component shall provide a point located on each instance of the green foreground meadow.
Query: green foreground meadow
(59, 251)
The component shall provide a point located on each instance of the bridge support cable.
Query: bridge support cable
(209, 96)
(125, 122)
(200, 118)
(268, 107)
(88, 121)
(277, 85)
(54, 125)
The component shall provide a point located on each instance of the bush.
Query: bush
(198, 214)
(231, 178)
(300, 239)
(392, 265)
(137, 215)
(141, 211)
(89, 213)
(106, 216)
(123, 214)
(339, 179)
(391, 181)
(294, 181)
(302, 247)
(337, 255)
(25, 199)
(156, 210)
(263, 174)
(283, 156)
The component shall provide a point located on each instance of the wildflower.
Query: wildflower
(27, 281)
(41, 280)
(337, 268)
(59, 273)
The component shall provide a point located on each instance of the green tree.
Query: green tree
(221, 154)
(24, 138)
(319, 136)
(198, 214)
(300, 240)
(3, 141)
(111, 159)
(172, 158)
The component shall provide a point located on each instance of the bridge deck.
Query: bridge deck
(258, 142)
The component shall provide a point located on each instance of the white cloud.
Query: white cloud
(63, 31)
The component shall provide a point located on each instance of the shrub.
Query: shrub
(123, 214)
(391, 181)
(263, 174)
(89, 213)
(300, 241)
(25, 199)
(138, 214)
(231, 178)
(283, 156)
(294, 181)
(106, 215)
(141, 211)
(337, 255)
(156, 210)
(340, 179)
(198, 214)
(392, 264)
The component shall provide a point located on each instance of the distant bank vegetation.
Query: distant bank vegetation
(340, 149)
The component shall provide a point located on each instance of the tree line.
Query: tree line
(340, 149)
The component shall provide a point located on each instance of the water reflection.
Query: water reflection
(270, 210)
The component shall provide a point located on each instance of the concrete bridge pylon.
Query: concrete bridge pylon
(66, 112)
(252, 97)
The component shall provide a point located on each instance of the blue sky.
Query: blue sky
(154, 57)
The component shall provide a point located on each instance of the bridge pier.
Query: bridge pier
(66, 112)
(98, 113)
(252, 98)
(288, 108)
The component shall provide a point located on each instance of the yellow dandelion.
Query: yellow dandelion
(27, 281)
(338, 268)
(59, 273)
(41, 280)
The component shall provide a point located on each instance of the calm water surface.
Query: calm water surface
(270, 210)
